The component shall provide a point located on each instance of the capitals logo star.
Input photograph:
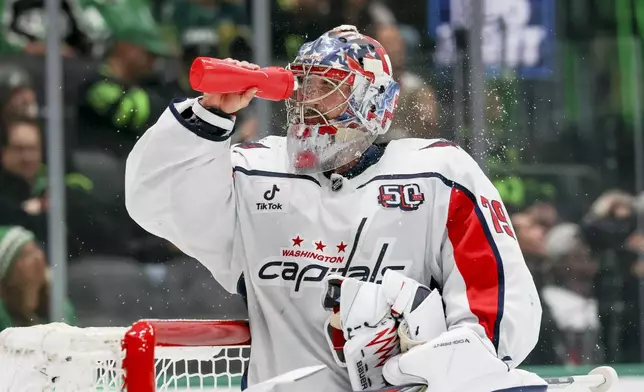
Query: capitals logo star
(297, 241)
(319, 246)
(342, 247)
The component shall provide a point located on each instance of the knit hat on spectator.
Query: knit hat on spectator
(563, 239)
(12, 239)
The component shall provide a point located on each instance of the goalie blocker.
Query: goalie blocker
(396, 335)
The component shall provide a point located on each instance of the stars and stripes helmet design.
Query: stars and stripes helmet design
(346, 97)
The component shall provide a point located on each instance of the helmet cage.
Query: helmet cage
(328, 143)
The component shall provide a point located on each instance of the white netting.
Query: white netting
(206, 369)
(61, 358)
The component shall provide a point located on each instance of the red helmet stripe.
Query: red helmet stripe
(382, 53)
(355, 66)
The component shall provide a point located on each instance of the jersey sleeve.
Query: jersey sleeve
(485, 281)
(179, 186)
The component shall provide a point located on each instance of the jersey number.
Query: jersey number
(499, 217)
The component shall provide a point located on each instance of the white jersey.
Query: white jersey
(425, 209)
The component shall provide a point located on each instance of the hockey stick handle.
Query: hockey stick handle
(590, 380)
(600, 379)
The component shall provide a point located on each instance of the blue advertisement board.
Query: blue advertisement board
(517, 34)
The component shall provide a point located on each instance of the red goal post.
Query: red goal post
(150, 355)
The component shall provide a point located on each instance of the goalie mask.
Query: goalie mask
(346, 97)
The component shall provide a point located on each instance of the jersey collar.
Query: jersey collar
(369, 158)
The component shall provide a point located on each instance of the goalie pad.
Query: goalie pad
(459, 360)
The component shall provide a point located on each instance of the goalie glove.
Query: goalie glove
(367, 314)
(363, 315)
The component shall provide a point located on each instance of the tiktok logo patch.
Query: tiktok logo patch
(270, 194)
(274, 197)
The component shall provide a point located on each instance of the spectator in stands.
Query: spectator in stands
(19, 92)
(122, 99)
(212, 28)
(531, 237)
(24, 280)
(21, 201)
(17, 95)
(368, 14)
(295, 20)
(24, 27)
(544, 213)
(417, 114)
(570, 297)
(611, 219)
(24, 200)
(209, 27)
(610, 227)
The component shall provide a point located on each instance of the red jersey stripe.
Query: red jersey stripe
(477, 259)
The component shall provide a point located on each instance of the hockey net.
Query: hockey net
(150, 355)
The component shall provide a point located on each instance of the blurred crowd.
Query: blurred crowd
(589, 276)
(571, 193)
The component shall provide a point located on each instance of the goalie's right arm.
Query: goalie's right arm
(179, 185)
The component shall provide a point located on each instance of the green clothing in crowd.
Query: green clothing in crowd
(13, 240)
(207, 29)
(113, 114)
(90, 24)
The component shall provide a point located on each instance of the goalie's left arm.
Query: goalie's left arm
(486, 285)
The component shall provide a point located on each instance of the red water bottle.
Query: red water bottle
(210, 75)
